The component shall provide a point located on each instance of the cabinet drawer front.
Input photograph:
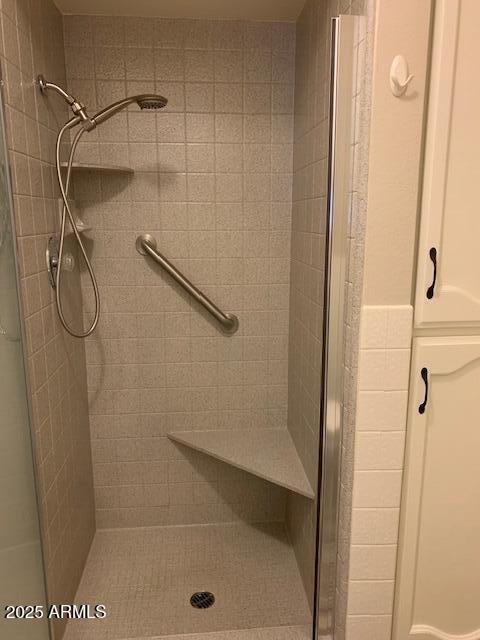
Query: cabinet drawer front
(448, 283)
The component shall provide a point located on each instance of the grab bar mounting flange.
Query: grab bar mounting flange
(140, 242)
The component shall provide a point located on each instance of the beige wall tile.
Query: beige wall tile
(371, 597)
(155, 357)
(375, 526)
(369, 627)
(378, 463)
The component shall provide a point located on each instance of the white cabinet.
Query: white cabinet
(438, 581)
(450, 217)
(438, 569)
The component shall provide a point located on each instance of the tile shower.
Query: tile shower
(212, 184)
(243, 136)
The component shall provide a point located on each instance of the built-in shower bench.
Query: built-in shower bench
(267, 453)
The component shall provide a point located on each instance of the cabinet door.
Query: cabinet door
(438, 571)
(450, 225)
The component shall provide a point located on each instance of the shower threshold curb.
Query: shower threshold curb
(267, 633)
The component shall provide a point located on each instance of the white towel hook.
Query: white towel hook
(400, 77)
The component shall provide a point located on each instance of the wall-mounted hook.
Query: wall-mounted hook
(400, 77)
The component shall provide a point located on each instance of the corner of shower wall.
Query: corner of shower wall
(312, 95)
(353, 294)
(32, 44)
(307, 269)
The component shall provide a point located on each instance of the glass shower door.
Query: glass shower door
(21, 566)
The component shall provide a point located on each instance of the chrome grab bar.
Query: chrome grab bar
(147, 245)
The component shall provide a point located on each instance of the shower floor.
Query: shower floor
(146, 576)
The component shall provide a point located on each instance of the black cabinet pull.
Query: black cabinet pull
(433, 258)
(424, 374)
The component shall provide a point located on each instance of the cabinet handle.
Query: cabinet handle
(433, 258)
(424, 374)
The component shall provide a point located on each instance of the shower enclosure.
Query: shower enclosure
(216, 235)
(22, 576)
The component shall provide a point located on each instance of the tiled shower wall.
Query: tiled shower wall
(381, 415)
(354, 289)
(308, 250)
(312, 94)
(212, 183)
(32, 43)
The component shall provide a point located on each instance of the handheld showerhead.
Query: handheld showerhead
(144, 101)
(85, 123)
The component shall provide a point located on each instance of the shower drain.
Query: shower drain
(202, 600)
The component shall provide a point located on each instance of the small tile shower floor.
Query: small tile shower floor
(146, 576)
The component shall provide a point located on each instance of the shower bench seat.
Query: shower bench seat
(267, 453)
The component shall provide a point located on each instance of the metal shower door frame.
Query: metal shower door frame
(336, 260)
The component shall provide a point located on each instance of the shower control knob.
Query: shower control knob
(52, 255)
(51, 258)
(68, 262)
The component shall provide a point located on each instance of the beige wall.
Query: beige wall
(212, 183)
(32, 43)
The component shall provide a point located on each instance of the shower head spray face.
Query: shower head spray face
(145, 101)
(152, 103)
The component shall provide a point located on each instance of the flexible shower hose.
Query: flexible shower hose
(66, 211)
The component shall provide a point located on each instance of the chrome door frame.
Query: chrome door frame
(336, 259)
